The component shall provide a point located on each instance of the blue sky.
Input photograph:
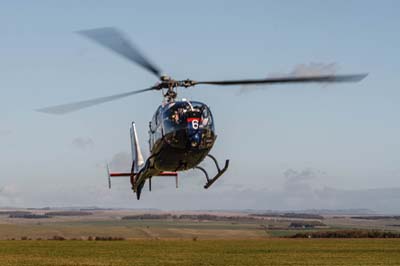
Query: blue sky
(346, 135)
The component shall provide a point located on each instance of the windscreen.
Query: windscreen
(187, 115)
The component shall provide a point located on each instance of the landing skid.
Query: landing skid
(220, 171)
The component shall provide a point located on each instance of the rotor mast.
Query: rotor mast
(171, 86)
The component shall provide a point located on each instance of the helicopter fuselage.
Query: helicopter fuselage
(181, 135)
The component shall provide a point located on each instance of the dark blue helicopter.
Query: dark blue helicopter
(181, 132)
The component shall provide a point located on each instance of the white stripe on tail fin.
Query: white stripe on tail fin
(137, 156)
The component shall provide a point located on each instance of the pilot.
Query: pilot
(175, 117)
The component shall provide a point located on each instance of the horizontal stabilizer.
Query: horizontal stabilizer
(120, 174)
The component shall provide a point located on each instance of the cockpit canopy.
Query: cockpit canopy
(184, 114)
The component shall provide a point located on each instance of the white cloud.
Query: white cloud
(314, 69)
(5, 132)
(311, 69)
(121, 161)
(83, 143)
(298, 192)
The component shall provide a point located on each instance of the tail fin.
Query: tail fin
(137, 156)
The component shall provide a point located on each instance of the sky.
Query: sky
(291, 147)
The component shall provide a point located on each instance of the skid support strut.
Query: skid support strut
(220, 171)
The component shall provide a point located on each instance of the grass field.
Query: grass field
(172, 241)
(202, 252)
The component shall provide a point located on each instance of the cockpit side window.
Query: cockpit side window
(158, 117)
(155, 122)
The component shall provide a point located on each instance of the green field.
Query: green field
(202, 252)
(188, 241)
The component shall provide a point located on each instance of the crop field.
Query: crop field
(202, 252)
(198, 239)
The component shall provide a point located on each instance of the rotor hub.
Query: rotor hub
(171, 86)
(165, 78)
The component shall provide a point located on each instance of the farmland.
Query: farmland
(202, 252)
(40, 237)
(156, 225)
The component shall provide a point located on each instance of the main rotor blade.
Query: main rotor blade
(116, 41)
(75, 106)
(304, 79)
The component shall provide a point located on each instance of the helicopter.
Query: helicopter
(181, 132)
